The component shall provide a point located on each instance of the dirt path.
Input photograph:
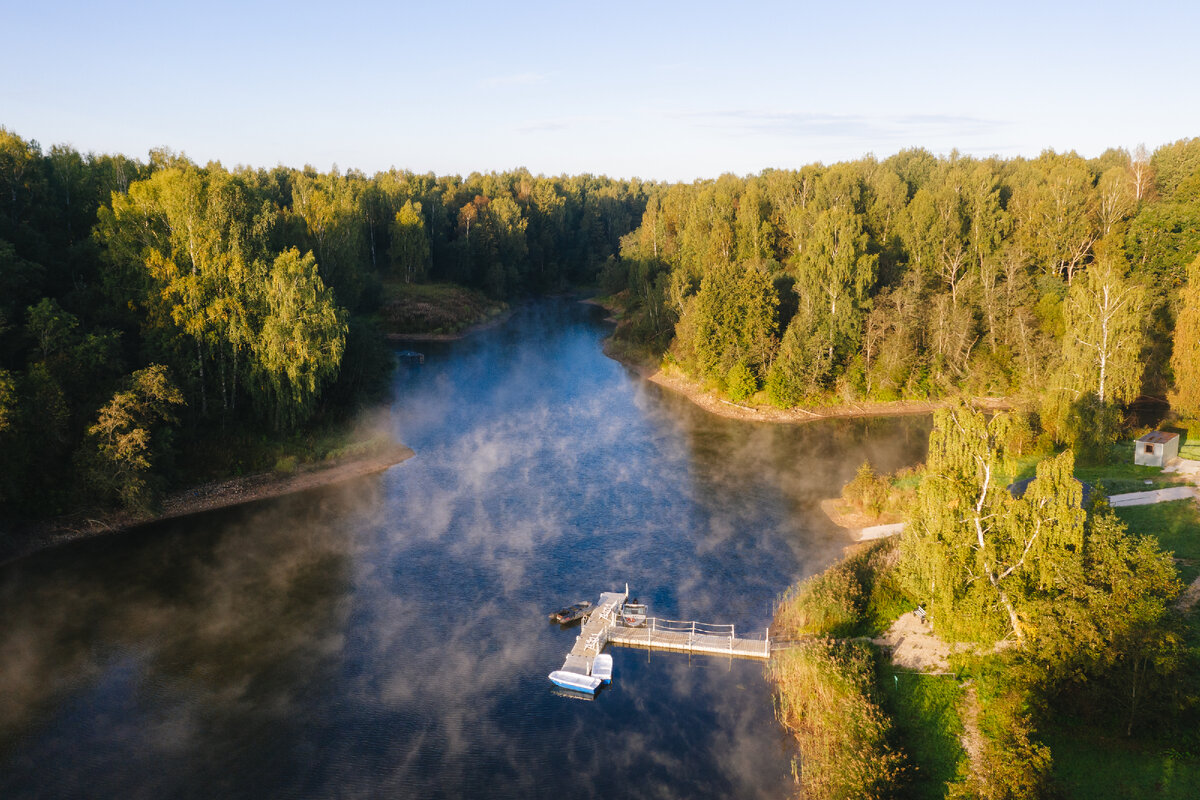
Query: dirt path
(1190, 596)
(206, 497)
(972, 739)
(914, 645)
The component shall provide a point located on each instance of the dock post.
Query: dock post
(767, 642)
(731, 638)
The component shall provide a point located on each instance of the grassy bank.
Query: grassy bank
(863, 728)
(433, 309)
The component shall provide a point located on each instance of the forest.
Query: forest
(1057, 277)
(157, 316)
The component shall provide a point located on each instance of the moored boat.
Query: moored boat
(575, 682)
(573, 613)
(633, 614)
(602, 667)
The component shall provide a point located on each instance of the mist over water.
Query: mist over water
(388, 637)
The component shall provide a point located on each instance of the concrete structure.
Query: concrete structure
(1156, 449)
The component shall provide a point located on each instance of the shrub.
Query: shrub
(740, 382)
(868, 491)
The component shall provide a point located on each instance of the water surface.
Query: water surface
(388, 637)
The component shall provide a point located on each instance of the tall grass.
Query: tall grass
(857, 596)
(825, 695)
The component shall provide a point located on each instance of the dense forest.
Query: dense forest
(151, 311)
(155, 314)
(922, 276)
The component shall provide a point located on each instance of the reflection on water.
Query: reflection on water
(389, 637)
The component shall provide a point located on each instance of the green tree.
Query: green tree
(410, 243)
(730, 320)
(835, 271)
(1185, 355)
(119, 449)
(1103, 343)
(299, 347)
(972, 551)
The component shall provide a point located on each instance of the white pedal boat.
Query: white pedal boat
(602, 667)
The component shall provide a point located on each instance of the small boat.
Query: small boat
(575, 682)
(633, 614)
(602, 667)
(565, 616)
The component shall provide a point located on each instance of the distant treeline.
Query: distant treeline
(921, 276)
(150, 310)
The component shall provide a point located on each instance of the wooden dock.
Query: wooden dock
(593, 635)
(604, 627)
(690, 637)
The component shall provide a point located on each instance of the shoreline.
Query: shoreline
(474, 327)
(46, 534)
(710, 402)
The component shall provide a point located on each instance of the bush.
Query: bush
(868, 491)
(1010, 764)
(285, 465)
(780, 391)
(1091, 427)
(740, 382)
(858, 595)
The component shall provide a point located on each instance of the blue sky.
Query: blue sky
(658, 90)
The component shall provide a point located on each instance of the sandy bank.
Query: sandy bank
(198, 499)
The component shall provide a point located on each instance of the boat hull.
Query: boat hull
(575, 682)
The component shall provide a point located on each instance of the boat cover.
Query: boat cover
(575, 681)
(602, 667)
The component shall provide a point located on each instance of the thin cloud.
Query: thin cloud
(559, 124)
(514, 79)
(913, 127)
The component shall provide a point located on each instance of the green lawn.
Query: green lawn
(1089, 767)
(1176, 525)
(925, 711)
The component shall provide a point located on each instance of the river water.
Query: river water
(388, 637)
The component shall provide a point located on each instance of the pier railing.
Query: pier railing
(697, 632)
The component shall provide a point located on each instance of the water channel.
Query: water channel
(388, 637)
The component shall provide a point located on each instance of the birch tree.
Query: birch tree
(1104, 315)
(836, 272)
(973, 552)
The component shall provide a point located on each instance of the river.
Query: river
(388, 637)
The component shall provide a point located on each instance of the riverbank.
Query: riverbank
(33, 537)
(435, 312)
(674, 380)
(499, 319)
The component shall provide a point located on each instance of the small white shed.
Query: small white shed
(1156, 449)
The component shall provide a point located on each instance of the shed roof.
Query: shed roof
(1158, 437)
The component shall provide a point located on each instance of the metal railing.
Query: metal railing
(693, 629)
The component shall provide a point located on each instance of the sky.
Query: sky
(655, 90)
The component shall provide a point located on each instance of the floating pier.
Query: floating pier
(604, 627)
(691, 637)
